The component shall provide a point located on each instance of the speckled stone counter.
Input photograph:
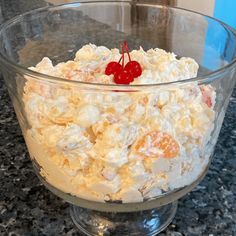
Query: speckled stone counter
(28, 208)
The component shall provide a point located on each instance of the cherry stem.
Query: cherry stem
(123, 56)
(127, 49)
(120, 59)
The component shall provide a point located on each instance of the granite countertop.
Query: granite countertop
(28, 208)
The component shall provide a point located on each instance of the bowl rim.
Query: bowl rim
(207, 78)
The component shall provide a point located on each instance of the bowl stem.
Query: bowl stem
(143, 223)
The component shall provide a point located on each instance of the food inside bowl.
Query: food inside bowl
(115, 145)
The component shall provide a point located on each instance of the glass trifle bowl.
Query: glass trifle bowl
(121, 154)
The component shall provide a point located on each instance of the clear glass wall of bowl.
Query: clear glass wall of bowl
(58, 33)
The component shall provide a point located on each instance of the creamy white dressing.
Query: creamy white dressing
(86, 141)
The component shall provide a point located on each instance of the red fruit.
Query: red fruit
(207, 95)
(113, 67)
(123, 77)
(134, 68)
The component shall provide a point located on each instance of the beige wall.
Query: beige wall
(204, 6)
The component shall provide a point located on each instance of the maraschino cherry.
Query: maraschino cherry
(124, 74)
(123, 77)
(134, 68)
(113, 67)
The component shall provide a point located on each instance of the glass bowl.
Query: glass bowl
(61, 159)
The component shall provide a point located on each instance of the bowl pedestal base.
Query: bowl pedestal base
(148, 223)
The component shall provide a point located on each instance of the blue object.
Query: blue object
(225, 10)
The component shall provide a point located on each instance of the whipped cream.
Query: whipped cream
(119, 146)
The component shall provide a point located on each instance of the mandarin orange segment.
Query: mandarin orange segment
(153, 141)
